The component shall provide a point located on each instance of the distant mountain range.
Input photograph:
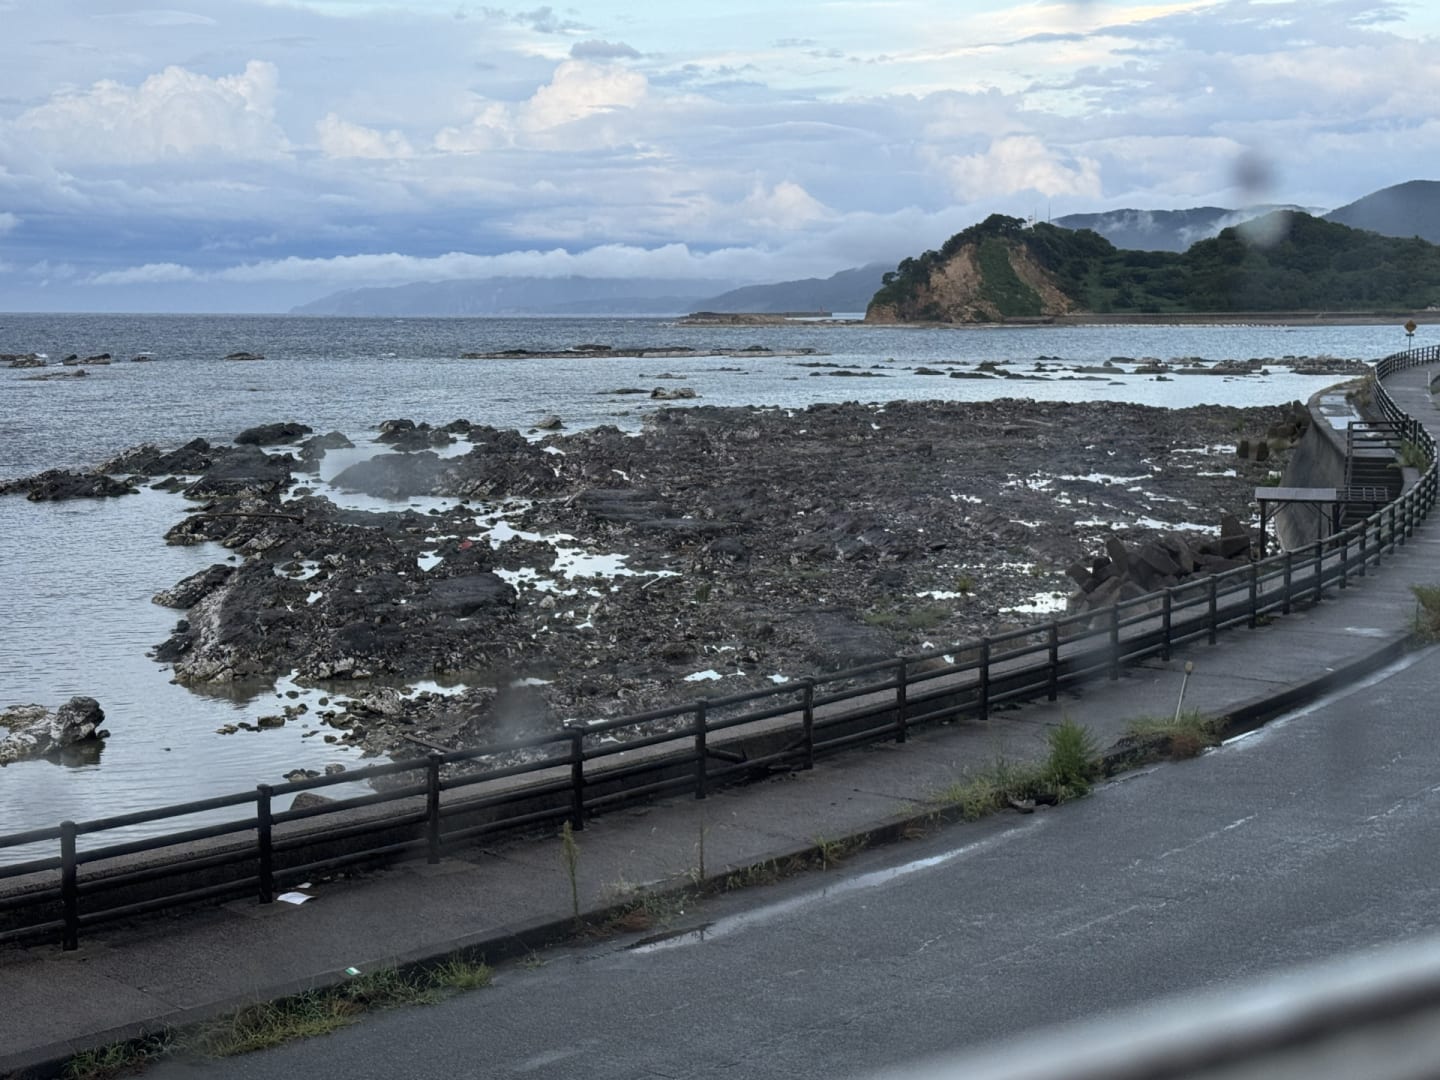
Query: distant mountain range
(847, 291)
(1164, 230)
(1405, 210)
(520, 296)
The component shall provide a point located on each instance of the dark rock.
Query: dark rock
(191, 590)
(313, 449)
(272, 434)
(55, 485)
(394, 476)
(835, 640)
(768, 514)
(463, 597)
(244, 470)
(191, 459)
(407, 435)
(31, 731)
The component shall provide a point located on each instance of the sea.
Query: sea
(76, 577)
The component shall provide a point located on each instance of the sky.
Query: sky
(250, 155)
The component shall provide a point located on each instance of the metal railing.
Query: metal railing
(568, 774)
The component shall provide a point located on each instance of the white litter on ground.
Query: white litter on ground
(1043, 603)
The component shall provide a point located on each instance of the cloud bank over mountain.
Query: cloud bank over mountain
(241, 154)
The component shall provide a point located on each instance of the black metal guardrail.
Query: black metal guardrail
(695, 745)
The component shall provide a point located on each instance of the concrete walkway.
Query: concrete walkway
(504, 900)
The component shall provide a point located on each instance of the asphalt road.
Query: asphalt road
(1314, 837)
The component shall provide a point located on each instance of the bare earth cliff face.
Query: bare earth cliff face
(958, 292)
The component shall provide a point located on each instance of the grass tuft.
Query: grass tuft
(274, 1023)
(461, 975)
(117, 1059)
(1074, 759)
(1184, 737)
(919, 617)
(993, 787)
(1413, 455)
(1427, 611)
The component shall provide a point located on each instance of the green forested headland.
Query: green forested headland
(1286, 261)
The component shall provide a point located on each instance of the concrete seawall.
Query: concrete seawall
(1318, 460)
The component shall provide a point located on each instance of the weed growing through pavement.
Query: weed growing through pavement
(1427, 611)
(1067, 773)
(1177, 737)
(992, 788)
(832, 852)
(1413, 455)
(1074, 759)
(118, 1059)
(301, 1016)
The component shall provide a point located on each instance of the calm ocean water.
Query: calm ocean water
(76, 577)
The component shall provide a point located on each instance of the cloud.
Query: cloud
(8, 222)
(577, 91)
(605, 260)
(342, 139)
(785, 206)
(149, 274)
(515, 134)
(1017, 163)
(594, 49)
(543, 20)
(159, 18)
(849, 240)
(173, 114)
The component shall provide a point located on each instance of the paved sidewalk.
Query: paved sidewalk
(503, 900)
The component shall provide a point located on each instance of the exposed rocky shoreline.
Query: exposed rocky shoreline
(598, 573)
(31, 731)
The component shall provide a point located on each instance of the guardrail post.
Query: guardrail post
(432, 806)
(1289, 580)
(263, 828)
(1364, 544)
(902, 688)
(1213, 606)
(1344, 561)
(69, 887)
(982, 689)
(1254, 595)
(1319, 570)
(1114, 641)
(807, 722)
(1167, 600)
(700, 749)
(577, 779)
(1393, 538)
